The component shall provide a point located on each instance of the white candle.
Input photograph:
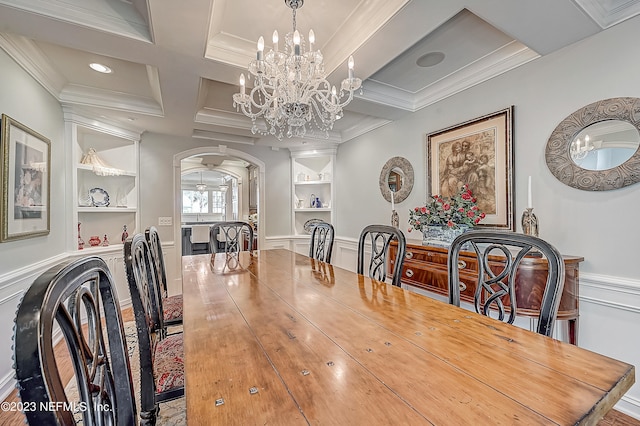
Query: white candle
(393, 206)
(350, 64)
(529, 203)
(296, 43)
(242, 84)
(312, 40)
(260, 48)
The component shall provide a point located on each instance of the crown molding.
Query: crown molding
(365, 125)
(231, 50)
(27, 54)
(76, 12)
(100, 124)
(367, 18)
(606, 16)
(223, 137)
(218, 117)
(118, 101)
(506, 58)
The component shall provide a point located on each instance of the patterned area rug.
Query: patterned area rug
(171, 413)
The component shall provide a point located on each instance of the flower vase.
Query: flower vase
(441, 235)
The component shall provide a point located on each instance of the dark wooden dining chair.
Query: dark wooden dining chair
(378, 238)
(499, 254)
(71, 298)
(321, 242)
(230, 237)
(161, 359)
(171, 306)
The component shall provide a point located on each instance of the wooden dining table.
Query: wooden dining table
(275, 337)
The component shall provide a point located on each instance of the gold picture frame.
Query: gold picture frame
(478, 152)
(26, 178)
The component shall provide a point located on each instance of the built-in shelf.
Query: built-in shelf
(117, 149)
(312, 173)
(89, 168)
(313, 209)
(313, 182)
(107, 210)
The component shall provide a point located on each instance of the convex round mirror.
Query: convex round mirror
(597, 147)
(396, 176)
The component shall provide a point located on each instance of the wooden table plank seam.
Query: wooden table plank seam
(374, 353)
(265, 283)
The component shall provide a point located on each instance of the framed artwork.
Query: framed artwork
(479, 153)
(25, 177)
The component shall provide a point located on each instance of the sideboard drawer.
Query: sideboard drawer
(419, 274)
(434, 257)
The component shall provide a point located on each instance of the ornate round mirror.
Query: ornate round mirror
(396, 176)
(597, 147)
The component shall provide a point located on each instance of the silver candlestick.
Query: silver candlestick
(529, 222)
(395, 220)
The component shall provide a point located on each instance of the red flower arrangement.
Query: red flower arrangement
(461, 209)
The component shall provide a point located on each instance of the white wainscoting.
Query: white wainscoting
(13, 285)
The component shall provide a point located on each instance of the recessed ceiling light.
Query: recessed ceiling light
(430, 59)
(100, 68)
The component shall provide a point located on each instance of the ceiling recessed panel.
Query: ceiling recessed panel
(463, 39)
(249, 20)
(73, 65)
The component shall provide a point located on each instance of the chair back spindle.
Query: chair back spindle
(321, 242)
(379, 237)
(231, 235)
(499, 255)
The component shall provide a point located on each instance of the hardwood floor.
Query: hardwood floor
(9, 418)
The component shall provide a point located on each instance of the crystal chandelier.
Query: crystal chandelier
(290, 92)
(579, 150)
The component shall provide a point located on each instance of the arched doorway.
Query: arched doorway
(223, 151)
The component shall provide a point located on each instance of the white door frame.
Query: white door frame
(177, 189)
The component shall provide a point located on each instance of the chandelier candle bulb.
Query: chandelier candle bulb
(296, 43)
(242, 88)
(275, 41)
(312, 40)
(259, 56)
(351, 67)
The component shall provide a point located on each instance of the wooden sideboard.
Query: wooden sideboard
(425, 267)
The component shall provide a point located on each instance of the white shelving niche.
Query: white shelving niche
(117, 149)
(313, 174)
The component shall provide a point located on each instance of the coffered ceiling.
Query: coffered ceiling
(176, 63)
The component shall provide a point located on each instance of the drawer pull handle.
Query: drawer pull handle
(462, 286)
(409, 273)
(409, 255)
(462, 264)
